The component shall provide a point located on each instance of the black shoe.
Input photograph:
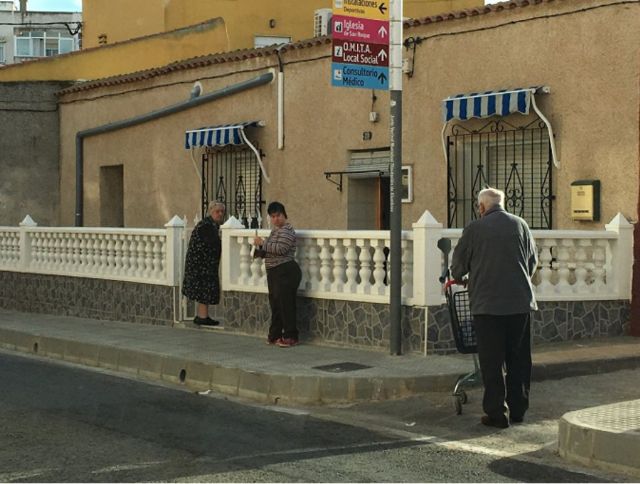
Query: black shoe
(489, 422)
(513, 419)
(209, 322)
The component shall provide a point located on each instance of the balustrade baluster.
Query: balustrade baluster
(117, 254)
(314, 267)
(148, 256)
(133, 261)
(581, 271)
(82, 265)
(599, 272)
(339, 263)
(256, 269)
(110, 254)
(365, 266)
(245, 260)
(66, 245)
(140, 256)
(407, 268)
(301, 258)
(158, 256)
(563, 261)
(352, 266)
(325, 265)
(545, 268)
(379, 269)
(58, 254)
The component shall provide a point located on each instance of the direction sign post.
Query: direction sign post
(367, 54)
(395, 251)
(360, 44)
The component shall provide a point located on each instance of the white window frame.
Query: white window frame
(58, 36)
(3, 53)
(407, 171)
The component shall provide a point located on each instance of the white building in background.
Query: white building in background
(26, 35)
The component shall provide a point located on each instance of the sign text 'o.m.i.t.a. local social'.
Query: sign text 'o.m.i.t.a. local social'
(360, 32)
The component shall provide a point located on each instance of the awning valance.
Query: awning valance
(224, 135)
(488, 103)
(495, 103)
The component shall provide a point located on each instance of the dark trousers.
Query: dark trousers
(283, 282)
(504, 352)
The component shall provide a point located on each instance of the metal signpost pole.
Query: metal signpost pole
(395, 74)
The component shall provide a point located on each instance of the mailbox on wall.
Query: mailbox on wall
(585, 200)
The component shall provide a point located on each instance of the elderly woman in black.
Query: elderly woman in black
(283, 277)
(201, 279)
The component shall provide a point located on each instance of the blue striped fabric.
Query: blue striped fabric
(488, 103)
(223, 135)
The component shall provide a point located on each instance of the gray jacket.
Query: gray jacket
(499, 254)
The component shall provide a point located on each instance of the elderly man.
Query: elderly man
(499, 255)
(201, 280)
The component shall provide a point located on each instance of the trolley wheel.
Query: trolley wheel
(457, 401)
(463, 396)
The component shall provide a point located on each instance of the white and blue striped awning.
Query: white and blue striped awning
(488, 103)
(223, 135)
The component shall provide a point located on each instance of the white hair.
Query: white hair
(491, 197)
(216, 204)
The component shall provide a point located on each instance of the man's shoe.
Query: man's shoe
(208, 322)
(199, 321)
(513, 419)
(273, 341)
(489, 422)
(287, 342)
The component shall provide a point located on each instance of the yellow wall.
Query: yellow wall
(125, 57)
(244, 18)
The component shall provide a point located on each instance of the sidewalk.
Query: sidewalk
(246, 367)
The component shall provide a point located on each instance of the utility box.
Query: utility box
(585, 200)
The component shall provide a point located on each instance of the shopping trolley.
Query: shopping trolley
(464, 335)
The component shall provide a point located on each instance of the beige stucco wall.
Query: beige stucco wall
(571, 47)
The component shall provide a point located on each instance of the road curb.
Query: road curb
(200, 376)
(606, 437)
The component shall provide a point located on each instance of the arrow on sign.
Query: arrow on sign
(382, 8)
(382, 78)
(382, 55)
(382, 32)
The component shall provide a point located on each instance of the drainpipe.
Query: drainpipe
(195, 100)
(280, 99)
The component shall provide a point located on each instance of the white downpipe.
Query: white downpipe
(257, 153)
(552, 140)
(280, 110)
(444, 144)
(195, 164)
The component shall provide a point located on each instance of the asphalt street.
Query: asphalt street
(64, 423)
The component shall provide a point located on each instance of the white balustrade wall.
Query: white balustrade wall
(341, 265)
(150, 256)
(575, 265)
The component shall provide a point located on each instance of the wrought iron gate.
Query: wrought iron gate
(232, 175)
(514, 159)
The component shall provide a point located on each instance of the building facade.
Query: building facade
(326, 159)
(28, 35)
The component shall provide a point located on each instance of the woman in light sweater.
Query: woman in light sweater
(283, 277)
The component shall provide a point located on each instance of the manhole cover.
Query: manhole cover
(341, 367)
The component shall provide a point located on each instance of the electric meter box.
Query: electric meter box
(585, 200)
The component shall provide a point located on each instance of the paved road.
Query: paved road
(63, 423)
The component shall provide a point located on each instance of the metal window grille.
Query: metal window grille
(232, 175)
(514, 159)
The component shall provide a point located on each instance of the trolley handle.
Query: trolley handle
(452, 282)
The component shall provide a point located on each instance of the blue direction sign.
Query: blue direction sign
(359, 76)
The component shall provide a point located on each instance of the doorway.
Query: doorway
(369, 203)
(112, 196)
